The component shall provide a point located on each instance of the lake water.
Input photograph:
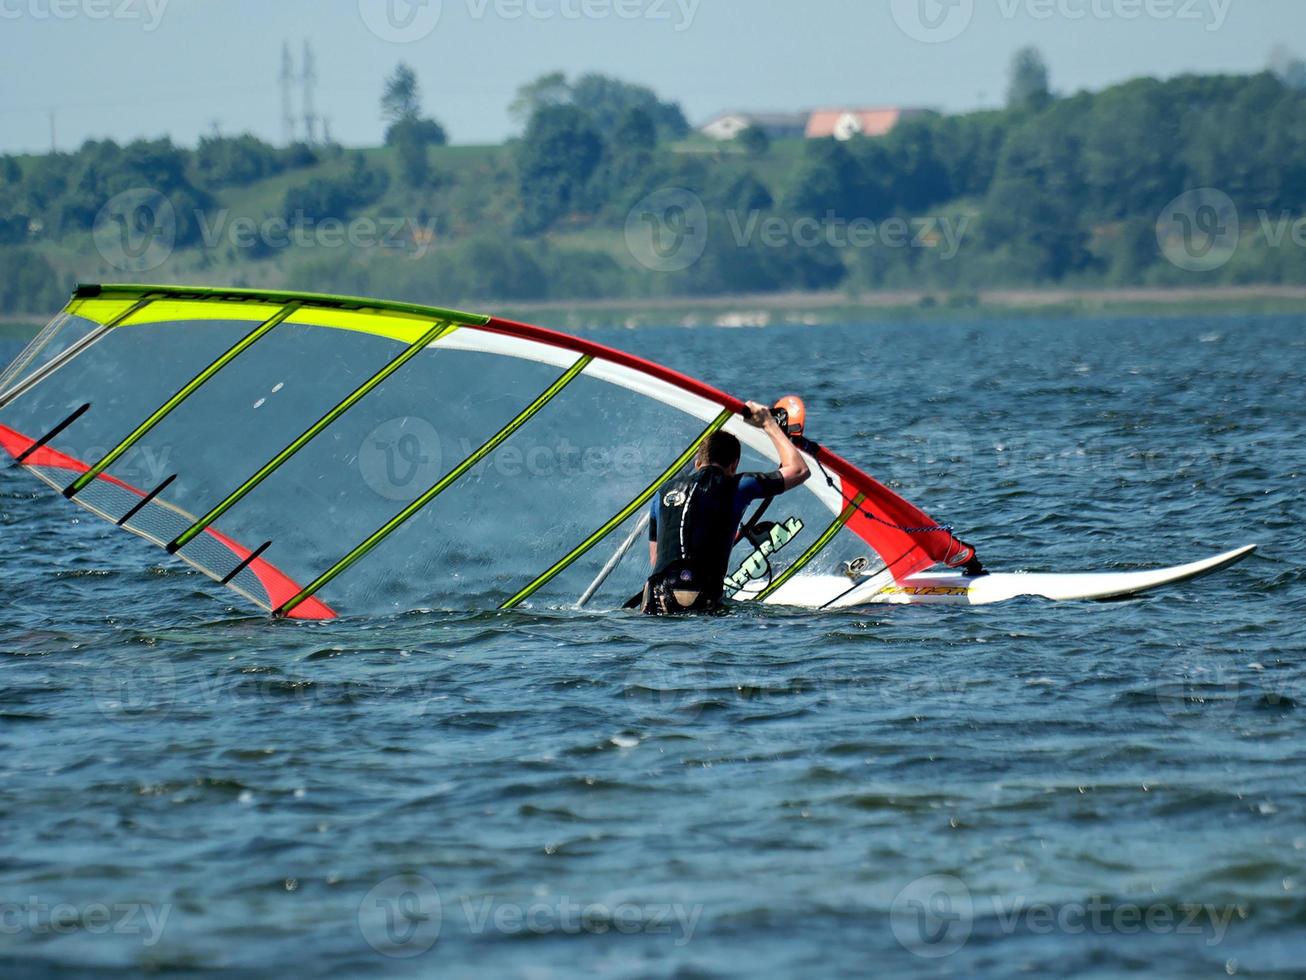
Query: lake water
(1055, 790)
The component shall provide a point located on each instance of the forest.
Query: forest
(1075, 190)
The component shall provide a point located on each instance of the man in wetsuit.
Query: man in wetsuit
(696, 518)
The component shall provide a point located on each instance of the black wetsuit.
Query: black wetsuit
(695, 520)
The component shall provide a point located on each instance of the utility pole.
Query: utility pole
(54, 142)
(309, 79)
(287, 95)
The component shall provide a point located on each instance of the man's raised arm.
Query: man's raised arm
(792, 465)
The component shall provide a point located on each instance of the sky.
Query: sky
(129, 69)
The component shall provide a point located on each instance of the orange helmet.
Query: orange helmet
(795, 414)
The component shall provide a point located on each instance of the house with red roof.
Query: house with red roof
(848, 123)
(839, 123)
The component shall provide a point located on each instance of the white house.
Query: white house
(777, 125)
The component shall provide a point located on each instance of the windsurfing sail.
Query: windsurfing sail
(325, 455)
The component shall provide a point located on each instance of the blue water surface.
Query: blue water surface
(1049, 789)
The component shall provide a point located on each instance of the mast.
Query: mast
(287, 95)
(309, 80)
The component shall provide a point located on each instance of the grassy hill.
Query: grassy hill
(472, 197)
(1094, 191)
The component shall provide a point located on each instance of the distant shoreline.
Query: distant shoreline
(826, 307)
(762, 309)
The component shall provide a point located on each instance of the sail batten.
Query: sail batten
(164, 410)
(313, 431)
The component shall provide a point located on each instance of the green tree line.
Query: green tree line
(1051, 190)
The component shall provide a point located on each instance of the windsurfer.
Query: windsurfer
(695, 519)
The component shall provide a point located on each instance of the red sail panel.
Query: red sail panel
(279, 587)
(904, 536)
